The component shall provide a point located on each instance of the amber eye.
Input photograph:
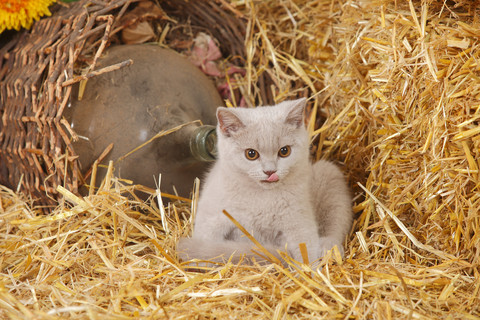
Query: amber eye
(284, 151)
(251, 154)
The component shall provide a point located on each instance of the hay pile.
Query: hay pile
(396, 87)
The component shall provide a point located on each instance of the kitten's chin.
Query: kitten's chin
(269, 184)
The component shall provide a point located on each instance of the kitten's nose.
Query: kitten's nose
(269, 173)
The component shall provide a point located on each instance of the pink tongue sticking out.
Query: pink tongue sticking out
(273, 177)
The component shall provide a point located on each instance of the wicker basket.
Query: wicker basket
(38, 69)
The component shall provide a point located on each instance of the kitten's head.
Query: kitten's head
(265, 144)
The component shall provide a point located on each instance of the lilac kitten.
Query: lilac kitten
(263, 177)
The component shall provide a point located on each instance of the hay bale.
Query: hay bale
(395, 86)
(405, 85)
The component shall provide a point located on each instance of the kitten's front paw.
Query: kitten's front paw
(327, 244)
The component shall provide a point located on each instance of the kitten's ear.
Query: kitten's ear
(228, 121)
(295, 113)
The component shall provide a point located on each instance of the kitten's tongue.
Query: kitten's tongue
(273, 177)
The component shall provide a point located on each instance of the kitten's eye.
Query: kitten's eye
(251, 154)
(284, 151)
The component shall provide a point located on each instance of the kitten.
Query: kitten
(263, 178)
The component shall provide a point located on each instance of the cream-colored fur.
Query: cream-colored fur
(309, 203)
